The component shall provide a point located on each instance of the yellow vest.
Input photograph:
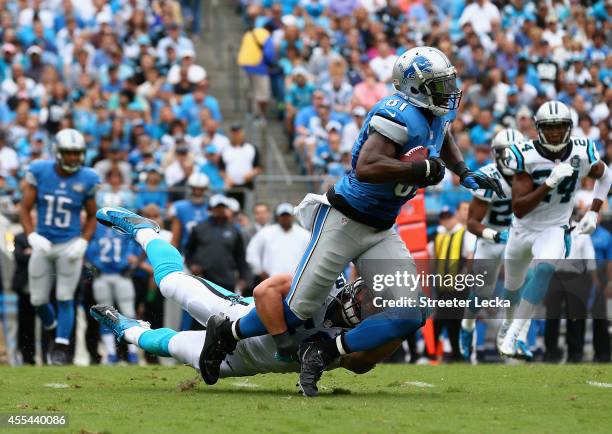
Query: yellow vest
(447, 247)
(251, 53)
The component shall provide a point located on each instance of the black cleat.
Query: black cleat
(313, 361)
(60, 354)
(216, 347)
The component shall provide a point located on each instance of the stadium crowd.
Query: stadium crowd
(125, 74)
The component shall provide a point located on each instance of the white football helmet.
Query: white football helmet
(501, 141)
(553, 120)
(427, 79)
(69, 140)
(197, 180)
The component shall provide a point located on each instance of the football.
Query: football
(418, 153)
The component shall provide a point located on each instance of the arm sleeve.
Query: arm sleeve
(256, 157)
(514, 159)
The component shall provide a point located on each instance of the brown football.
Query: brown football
(418, 153)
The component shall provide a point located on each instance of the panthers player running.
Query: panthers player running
(187, 213)
(110, 254)
(202, 299)
(59, 189)
(353, 221)
(489, 218)
(548, 170)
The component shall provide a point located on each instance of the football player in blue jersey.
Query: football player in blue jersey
(353, 221)
(60, 190)
(110, 253)
(187, 213)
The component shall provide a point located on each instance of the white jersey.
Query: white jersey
(499, 214)
(257, 355)
(556, 208)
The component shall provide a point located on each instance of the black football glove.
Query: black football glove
(429, 172)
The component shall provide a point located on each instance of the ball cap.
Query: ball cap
(283, 208)
(218, 200)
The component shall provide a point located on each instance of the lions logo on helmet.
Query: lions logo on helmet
(501, 141)
(427, 79)
(67, 141)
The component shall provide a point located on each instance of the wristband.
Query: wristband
(489, 234)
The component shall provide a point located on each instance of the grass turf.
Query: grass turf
(392, 398)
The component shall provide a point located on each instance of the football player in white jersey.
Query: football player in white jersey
(489, 218)
(548, 170)
(202, 299)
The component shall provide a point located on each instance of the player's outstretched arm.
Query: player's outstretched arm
(25, 211)
(378, 164)
(603, 179)
(452, 157)
(524, 197)
(477, 211)
(364, 361)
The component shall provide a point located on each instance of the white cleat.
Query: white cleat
(508, 346)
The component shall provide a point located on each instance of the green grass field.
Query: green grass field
(392, 398)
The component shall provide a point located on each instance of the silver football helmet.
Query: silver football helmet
(69, 140)
(427, 79)
(553, 120)
(501, 141)
(197, 181)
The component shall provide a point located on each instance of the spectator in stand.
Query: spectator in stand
(152, 190)
(113, 191)
(215, 249)
(298, 96)
(350, 132)
(114, 159)
(239, 164)
(276, 249)
(261, 216)
(369, 91)
(9, 161)
(189, 212)
(210, 167)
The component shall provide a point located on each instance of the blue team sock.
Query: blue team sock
(164, 258)
(156, 341)
(535, 289)
(65, 319)
(382, 328)
(46, 313)
(250, 325)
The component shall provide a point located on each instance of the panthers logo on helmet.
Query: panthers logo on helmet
(422, 63)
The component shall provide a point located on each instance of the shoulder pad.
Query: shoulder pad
(389, 127)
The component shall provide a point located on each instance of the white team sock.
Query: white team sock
(132, 349)
(524, 330)
(132, 334)
(145, 236)
(468, 323)
(109, 343)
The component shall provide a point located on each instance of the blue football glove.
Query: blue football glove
(501, 237)
(476, 181)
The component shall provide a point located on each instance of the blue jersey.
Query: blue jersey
(108, 250)
(59, 200)
(189, 214)
(383, 201)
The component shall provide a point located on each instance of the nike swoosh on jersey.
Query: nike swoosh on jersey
(392, 114)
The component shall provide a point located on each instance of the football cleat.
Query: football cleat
(124, 221)
(111, 318)
(313, 361)
(132, 358)
(509, 346)
(112, 359)
(60, 354)
(522, 351)
(215, 348)
(466, 343)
